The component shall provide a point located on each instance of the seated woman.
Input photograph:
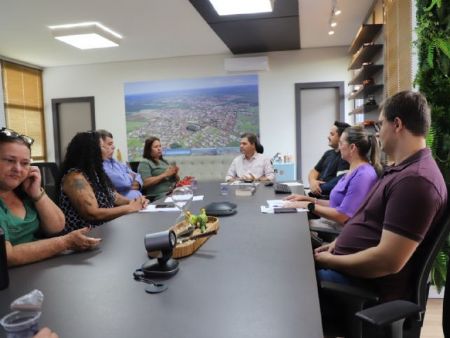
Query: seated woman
(26, 212)
(158, 175)
(87, 196)
(356, 146)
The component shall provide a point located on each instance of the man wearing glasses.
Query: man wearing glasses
(26, 210)
(376, 245)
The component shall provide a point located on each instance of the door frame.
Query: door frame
(339, 85)
(55, 112)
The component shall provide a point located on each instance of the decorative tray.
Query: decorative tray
(190, 246)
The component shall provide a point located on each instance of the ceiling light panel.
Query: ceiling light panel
(86, 35)
(233, 7)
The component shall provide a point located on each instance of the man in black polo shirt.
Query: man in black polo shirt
(327, 172)
(377, 243)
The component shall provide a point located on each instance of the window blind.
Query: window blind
(398, 35)
(23, 99)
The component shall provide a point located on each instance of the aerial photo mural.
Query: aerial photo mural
(191, 116)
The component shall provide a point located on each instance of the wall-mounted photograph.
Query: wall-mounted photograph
(192, 116)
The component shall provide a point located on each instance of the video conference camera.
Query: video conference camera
(162, 266)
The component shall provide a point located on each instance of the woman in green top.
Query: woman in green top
(25, 208)
(158, 175)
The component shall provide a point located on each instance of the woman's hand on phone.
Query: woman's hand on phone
(32, 184)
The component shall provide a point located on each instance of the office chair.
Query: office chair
(446, 306)
(49, 178)
(327, 235)
(391, 315)
(388, 319)
(134, 165)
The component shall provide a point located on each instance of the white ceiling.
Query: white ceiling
(151, 29)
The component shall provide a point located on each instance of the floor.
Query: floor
(432, 327)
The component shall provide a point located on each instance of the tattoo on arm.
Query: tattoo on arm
(78, 184)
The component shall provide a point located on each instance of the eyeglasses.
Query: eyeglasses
(14, 135)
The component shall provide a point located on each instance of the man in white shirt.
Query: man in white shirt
(251, 165)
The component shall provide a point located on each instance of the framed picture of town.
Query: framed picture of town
(191, 116)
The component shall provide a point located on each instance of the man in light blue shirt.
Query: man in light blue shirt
(127, 182)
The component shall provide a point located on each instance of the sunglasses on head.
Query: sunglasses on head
(14, 135)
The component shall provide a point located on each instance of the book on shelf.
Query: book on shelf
(245, 191)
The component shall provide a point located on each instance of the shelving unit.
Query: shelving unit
(366, 72)
(367, 108)
(366, 33)
(364, 51)
(364, 54)
(365, 91)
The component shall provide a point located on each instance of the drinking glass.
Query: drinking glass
(182, 196)
(224, 189)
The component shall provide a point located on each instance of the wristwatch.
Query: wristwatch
(311, 207)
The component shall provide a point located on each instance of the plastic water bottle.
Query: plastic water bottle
(21, 324)
(4, 277)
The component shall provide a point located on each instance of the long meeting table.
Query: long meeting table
(254, 279)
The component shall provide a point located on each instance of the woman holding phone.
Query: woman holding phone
(159, 176)
(27, 214)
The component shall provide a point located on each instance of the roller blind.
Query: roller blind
(24, 112)
(398, 34)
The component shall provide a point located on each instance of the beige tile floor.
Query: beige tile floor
(432, 327)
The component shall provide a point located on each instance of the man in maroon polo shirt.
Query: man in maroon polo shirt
(377, 243)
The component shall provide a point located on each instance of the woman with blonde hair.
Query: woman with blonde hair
(362, 152)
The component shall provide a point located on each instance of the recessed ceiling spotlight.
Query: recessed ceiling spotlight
(332, 21)
(86, 35)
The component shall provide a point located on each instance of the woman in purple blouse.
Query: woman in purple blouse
(361, 151)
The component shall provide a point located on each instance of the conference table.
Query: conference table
(254, 279)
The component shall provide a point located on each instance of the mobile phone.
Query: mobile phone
(284, 210)
(164, 205)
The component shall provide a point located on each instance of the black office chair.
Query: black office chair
(327, 235)
(50, 176)
(446, 306)
(134, 165)
(358, 303)
(391, 315)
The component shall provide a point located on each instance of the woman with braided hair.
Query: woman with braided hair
(87, 196)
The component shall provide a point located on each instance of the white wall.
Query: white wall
(276, 88)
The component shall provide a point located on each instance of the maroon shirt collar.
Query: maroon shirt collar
(421, 154)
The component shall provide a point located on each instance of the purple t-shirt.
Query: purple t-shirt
(407, 200)
(352, 188)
